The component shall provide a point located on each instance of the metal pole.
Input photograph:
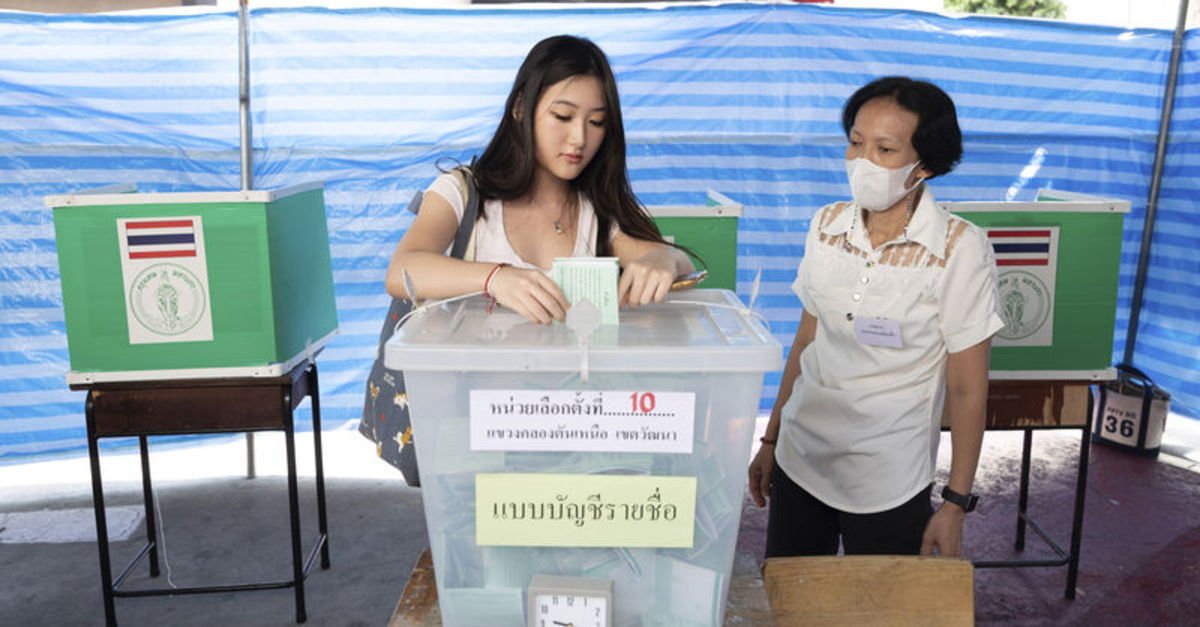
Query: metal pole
(247, 151)
(244, 96)
(1160, 156)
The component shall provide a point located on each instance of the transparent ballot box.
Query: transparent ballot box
(615, 460)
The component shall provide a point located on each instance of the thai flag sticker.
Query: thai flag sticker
(1021, 247)
(161, 238)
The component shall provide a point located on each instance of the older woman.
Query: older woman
(899, 302)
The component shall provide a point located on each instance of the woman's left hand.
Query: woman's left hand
(943, 534)
(648, 278)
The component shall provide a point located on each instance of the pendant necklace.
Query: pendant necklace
(558, 228)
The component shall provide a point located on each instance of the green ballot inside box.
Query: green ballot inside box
(193, 285)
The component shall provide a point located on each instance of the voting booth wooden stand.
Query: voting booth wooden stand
(570, 475)
(196, 313)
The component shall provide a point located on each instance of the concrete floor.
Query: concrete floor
(1140, 556)
(219, 527)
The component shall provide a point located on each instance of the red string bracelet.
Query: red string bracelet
(487, 284)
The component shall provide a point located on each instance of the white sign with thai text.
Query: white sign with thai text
(614, 421)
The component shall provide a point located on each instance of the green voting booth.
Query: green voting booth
(193, 285)
(196, 313)
(1058, 260)
(709, 230)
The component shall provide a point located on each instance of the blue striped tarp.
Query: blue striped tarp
(744, 99)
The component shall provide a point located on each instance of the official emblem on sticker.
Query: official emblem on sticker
(167, 299)
(1024, 304)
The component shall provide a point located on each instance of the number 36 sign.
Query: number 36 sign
(1131, 412)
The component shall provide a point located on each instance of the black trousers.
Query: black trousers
(799, 524)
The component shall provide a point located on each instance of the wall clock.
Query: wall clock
(561, 601)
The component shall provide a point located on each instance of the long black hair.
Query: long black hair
(505, 169)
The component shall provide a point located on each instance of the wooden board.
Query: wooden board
(896, 591)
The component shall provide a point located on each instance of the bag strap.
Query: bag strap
(466, 227)
(1127, 374)
(1130, 369)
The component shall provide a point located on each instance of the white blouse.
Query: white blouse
(861, 429)
(491, 242)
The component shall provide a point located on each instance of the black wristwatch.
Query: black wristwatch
(965, 501)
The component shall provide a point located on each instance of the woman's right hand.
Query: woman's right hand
(760, 474)
(530, 293)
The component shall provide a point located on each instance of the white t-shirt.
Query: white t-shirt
(861, 429)
(491, 242)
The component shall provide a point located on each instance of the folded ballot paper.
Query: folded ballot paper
(590, 278)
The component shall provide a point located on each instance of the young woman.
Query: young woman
(554, 184)
(900, 304)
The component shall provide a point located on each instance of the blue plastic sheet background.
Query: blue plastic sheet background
(743, 99)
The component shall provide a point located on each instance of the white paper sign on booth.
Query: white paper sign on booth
(166, 279)
(1027, 260)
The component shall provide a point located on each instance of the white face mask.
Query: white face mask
(876, 188)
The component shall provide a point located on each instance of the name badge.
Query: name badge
(878, 332)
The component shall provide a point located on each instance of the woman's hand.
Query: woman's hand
(529, 293)
(648, 278)
(760, 474)
(943, 534)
